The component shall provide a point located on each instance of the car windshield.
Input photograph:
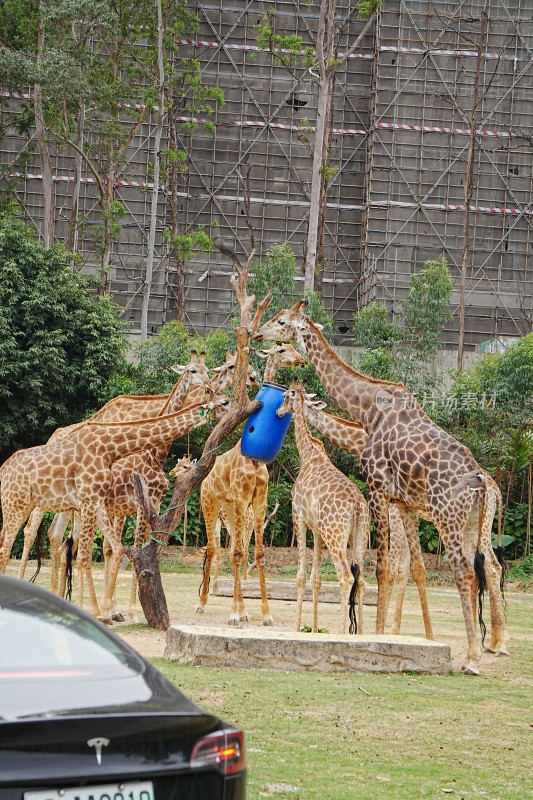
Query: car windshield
(38, 633)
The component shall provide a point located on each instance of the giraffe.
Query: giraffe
(352, 437)
(194, 379)
(333, 508)
(411, 461)
(406, 553)
(186, 463)
(75, 473)
(223, 376)
(235, 484)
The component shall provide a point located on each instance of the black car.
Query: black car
(84, 717)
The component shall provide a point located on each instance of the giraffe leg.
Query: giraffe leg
(142, 535)
(464, 580)
(247, 537)
(359, 536)
(84, 559)
(13, 520)
(75, 535)
(210, 509)
(56, 532)
(118, 526)
(301, 535)
(409, 519)
(498, 628)
(218, 551)
(379, 508)
(316, 577)
(238, 607)
(259, 510)
(30, 533)
(114, 538)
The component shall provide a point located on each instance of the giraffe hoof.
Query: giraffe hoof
(106, 620)
(234, 622)
(118, 617)
(502, 651)
(470, 669)
(244, 618)
(268, 621)
(199, 610)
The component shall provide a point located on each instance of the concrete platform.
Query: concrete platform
(283, 590)
(264, 648)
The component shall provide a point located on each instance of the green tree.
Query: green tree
(59, 344)
(402, 350)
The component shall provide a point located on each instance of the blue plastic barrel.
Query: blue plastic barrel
(264, 432)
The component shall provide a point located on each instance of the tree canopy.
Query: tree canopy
(59, 343)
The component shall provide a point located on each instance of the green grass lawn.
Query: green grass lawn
(317, 736)
(313, 736)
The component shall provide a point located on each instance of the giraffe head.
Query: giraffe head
(218, 405)
(195, 373)
(182, 465)
(223, 375)
(292, 396)
(282, 355)
(288, 325)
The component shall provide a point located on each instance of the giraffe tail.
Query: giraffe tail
(479, 563)
(39, 551)
(353, 596)
(69, 544)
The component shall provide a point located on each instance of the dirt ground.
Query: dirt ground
(181, 591)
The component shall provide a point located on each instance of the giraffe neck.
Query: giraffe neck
(345, 434)
(354, 392)
(122, 439)
(176, 398)
(271, 368)
(306, 444)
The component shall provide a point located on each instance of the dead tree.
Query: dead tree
(146, 560)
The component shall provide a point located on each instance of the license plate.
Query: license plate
(112, 791)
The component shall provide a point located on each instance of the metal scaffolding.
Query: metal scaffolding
(400, 139)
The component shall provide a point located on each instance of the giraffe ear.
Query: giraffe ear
(216, 370)
(318, 404)
(318, 325)
(262, 353)
(179, 368)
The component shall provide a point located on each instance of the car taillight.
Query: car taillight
(225, 751)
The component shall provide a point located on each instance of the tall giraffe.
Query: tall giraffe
(411, 461)
(190, 388)
(235, 484)
(404, 553)
(333, 508)
(75, 473)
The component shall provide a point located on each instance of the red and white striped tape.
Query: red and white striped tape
(366, 56)
(310, 128)
(526, 212)
(507, 211)
(438, 52)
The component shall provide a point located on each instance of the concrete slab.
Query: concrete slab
(263, 648)
(283, 590)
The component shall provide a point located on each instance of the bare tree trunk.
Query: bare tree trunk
(174, 174)
(72, 243)
(326, 8)
(146, 560)
(42, 143)
(157, 167)
(469, 186)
